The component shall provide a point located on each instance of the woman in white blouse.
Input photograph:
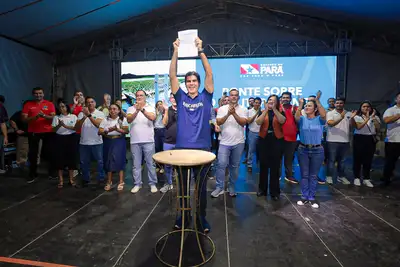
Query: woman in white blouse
(366, 125)
(65, 142)
(113, 129)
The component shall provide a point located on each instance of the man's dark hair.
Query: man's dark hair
(287, 93)
(252, 98)
(2, 99)
(257, 98)
(140, 90)
(340, 98)
(89, 97)
(191, 73)
(312, 96)
(37, 89)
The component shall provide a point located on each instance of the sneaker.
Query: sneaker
(217, 192)
(76, 173)
(153, 189)
(302, 202)
(166, 188)
(343, 180)
(178, 222)
(357, 182)
(31, 179)
(161, 170)
(135, 189)
(314, 204)
(203, 225)
(329, 180)
(291, 180)
(320, 181)
(368, 183)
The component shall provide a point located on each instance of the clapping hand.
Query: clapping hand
(61, 123)
(301, 102)
(85, 111)
(354, 113)
(231, 109)
(76, 100)
(41, 114)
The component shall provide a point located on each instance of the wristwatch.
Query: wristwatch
(201, 51)
(143, 110)
(90, 115)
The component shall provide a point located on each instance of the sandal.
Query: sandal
(108, 187)
(72, 183)
(120, 186)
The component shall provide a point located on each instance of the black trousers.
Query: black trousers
(270, 151)
(363, 153)
(392, 153)
(288, 154)
(33, 141)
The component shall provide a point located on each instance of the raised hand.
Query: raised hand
(176, 44)
(319, 93)
(301, 101)
(353, 114)
(199, 43)
(76, 98)
(373, 114)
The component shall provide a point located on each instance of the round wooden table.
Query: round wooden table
(185, 159)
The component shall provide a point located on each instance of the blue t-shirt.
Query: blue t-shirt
(194, 115)
(311, 130)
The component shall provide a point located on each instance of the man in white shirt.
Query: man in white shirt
(141, 116)
(90, 144)
(252, 135)
(338, 139)
(231, 118)
(392, 147)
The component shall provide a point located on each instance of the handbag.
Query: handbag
(373, 135)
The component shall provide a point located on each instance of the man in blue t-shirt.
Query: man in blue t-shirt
(193, 124)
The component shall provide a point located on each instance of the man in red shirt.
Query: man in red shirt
(79, 101)
(39, 114)
(289, 136)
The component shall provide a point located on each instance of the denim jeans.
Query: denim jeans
(310, 160)
(252, 143)
(87, 153)
(159, 137)
(228, 156)
(147, 150)
(168, 168)
(336, 152)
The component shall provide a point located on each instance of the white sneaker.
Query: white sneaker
(343, 180)
(135, 189)
(329, 180)
(217, 192)
(357, 182)
(153, 189)
(314, 205)
(368, 183)
(75, 173)
(166, 188)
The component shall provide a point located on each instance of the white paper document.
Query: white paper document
(187, 46)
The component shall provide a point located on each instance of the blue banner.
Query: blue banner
(261, 77)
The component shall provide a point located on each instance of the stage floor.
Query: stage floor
(89, 227)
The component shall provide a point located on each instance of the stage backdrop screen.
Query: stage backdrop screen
(253, 77)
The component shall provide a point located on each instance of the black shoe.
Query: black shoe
(31, 179)
(291, 180)
(261, 193)
(85, 183)
(275, 198)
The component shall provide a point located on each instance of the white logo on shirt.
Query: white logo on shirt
(192, 107)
